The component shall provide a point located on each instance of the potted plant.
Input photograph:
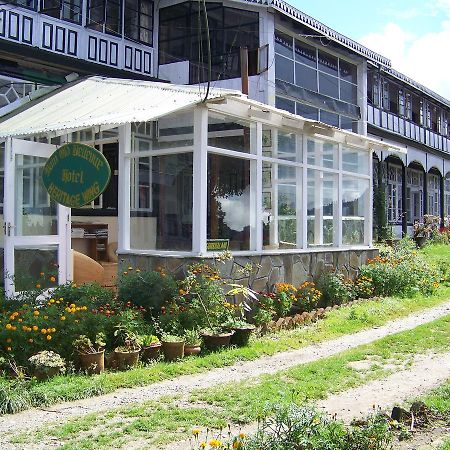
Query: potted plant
(127, 352)
(217, 337)
(150, 347)
(91, 354)
(423, 230)
(193, 342)
(172, 346)
(47, 364)
(242, 331)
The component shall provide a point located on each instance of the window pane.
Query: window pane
(284, 69)
(306, 77)
(307, 111)
(281, 144)
(347, 71)
(354, 204)
(161, 202)
(281, 203)
(355, 160)
(305, 54)
(347, 123)
(71, 10)
(328, 85)
(328, 63)
(229, 201)
(231, 133)
(348, 92)
(113, 17)
(322, 197)
(322, 153)
(283, 45)
(283, 103)
(329, 118)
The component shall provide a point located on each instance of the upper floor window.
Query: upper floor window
(138, 20)
(63, 9)
(30, 4)
(304, 65)
(105, 15)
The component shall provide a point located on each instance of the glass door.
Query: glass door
(36, 229)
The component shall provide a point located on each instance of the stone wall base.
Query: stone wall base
(261, 272)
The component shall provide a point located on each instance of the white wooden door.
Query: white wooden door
(37, 230)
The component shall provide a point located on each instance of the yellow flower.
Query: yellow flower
(63, 318)
(202, 444)
(242, 435)
(8, 349)
(35, 328)
(49, 338)
(38, 286)
(196, 431)
(30, 341)
(44, 331)
(8, 326)
(130, 268)
(72, 306)
(215, 443)
(52, 279)
(53, 330)
(36, 313)
(45, 317)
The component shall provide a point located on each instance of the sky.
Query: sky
(413, 34)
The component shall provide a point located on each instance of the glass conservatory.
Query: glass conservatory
(193, 175)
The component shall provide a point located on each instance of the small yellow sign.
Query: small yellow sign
(215, 245)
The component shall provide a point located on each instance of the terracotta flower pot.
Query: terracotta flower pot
(190, 350)
(242, 335)
(217, 341)
(126, 360)
(151, 352)
(92, 362)
(173, 350)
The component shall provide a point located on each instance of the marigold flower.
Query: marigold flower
(35, 327)
(49, 338)
(215, 443)
(62, 318)
(38, 286)
(8, 326)
(36, 313)
(45, 317)
(44, 331)
(30, 341)
(8, 349)
(52, 279)
(196, 431)
(242, 435)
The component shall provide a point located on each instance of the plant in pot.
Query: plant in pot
(193, 342)
(172, 346)
(46, 364)
(151, 347)
(129, 345)
(242, 331)
(91, 354)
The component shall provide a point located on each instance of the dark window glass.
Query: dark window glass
(105, 15)
(347, 71)
(306, 77)
(284, 69)
(348, 92)
(328, 63)
(347, 123)
(96, 14)
(284, 103)
(328, 85)
(63, 9)
(113, 16)
(51, 8)
(393, 98)
(25, 3)
(283, 45)
(329, 118)
(307, 111)
(138, 20)
(305, 54)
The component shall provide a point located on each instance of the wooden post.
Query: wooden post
(244, 69)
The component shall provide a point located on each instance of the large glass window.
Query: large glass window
(229, 211)
(394, 194)
(138, 20)
(105, 15)
(31, 4)
(447, 195)
(434, 194)
(414, 194)
(355, 198)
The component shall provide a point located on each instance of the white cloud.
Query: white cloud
(422, 57)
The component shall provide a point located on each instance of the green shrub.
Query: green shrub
(150, 290)
(335, 289)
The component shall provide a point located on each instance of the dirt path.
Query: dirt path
(34, 418)
(426, 372)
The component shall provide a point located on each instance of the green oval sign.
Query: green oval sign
(76, 174)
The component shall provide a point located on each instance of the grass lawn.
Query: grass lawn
(172, 418)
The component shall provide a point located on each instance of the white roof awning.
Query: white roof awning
(99, 101)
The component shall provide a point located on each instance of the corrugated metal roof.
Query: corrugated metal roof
(98, 101)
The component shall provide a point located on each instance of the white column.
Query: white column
(368, 213)
(304, 214)
(123, 209)
(362, 97)
(337, 209)
(256, 232)
(299, 206)
(200, 184)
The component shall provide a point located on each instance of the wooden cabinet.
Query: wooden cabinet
(91, 239)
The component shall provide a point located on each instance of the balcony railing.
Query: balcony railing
(407, 128)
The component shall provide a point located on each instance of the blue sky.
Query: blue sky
(414, 34)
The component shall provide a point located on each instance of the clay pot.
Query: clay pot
(190, 350)
(173, 350)
(242, 335)
(125, 360)
(217, 341)
(92, 362)
(151, 352)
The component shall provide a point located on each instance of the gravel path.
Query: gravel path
(426, 372)
(34, 418)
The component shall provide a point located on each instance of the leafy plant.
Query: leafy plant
(192, 337)
(126, 340)
(84, 345)
(47, 360)
(149, 339)
(172, 338)
(335, 289)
